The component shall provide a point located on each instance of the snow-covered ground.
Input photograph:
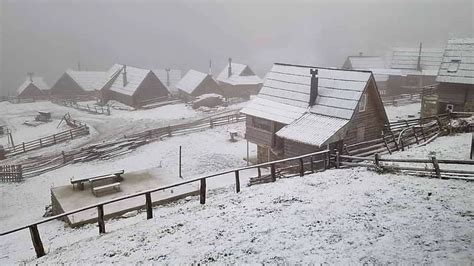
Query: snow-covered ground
(408, 111)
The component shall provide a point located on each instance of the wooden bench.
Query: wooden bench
(113, 186)
(80, 182)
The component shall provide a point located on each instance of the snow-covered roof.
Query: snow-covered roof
(175, 76)
(237, 70)
(314, 129)
(285, 96)
(243, 80)
(37, 81)
(402, 72)
(191, 81)
(407, 58)
(135, 77)
(458, 62)
(88, 80)
(366, 62)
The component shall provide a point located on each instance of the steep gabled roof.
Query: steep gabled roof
(88, 80)
(407, 58)
(175, 76)
(365, 62)
(37, 81)
(237, 70)
(458, 62)
(241, 75)
(135, 77)
(284, 98)
(191, 81)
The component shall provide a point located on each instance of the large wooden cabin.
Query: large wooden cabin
(196, 83)
(79, 84)
(33, 88)
(239, 80)
(456, 76)
(299, 111)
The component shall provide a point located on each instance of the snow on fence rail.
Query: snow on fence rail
(383, 164)
(82, 107)
(33, 228)
(11, 173)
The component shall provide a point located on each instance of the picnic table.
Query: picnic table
(114, 176)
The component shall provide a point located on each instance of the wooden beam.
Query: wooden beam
(202, 194)
(237, 181)
(301, 167)
(149, 206)
(100, 218)
(37, 244)
(272, 172)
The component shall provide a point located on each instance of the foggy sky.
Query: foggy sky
(48, 37)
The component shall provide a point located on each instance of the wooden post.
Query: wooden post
(423, 133)
(259, 172)
(386, 144)
(472, 146)
(54, 138)
(436, 166)
(41, 143)
(237, 181)
(169, 131)
(180, 162)
(202, 194)
(338, 160)
(301, 167)
(312, 164)
(108, 110)
(37, 244)
(64, 157)
(272, 172)
(23, 145)
(328, 160)
(377, 163)
(70, 133)
(149, 206)
(211, 123)
(100, 219)
(416, 136)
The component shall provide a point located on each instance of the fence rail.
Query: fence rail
(11, 173)
(94, 109)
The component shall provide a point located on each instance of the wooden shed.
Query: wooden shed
(79, 85)
(303, 109)
(238, 80)
(456, 76)
(196, 83)
(372, 63)
(169, 77)
(133, 86)
(33, 88)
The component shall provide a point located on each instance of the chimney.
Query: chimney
(230, 68)
(30, 75)
(167, 76)
(124, 75)
(210, 67)
(360, 53)
(314, 87)
(418, 64)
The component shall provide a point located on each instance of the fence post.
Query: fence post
(23, 145)
(54, 138)
(202, 194)
(149, 209)
(301, 167)
(436, 166)
(37, 244)
(64, 157)
(338, 160)
(169, 131)
(100, 219)
(312, 163)
(259, 172)
(211, 123)
(41, 143)
(272, 171)
(377, 163)
(237, 181)
(70, 132)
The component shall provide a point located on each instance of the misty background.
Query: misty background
(50, 36)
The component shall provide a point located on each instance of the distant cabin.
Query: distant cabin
(196, 83)
(238, 80)
(371, 63)
(32, 88)
(456, 77)
(298, 112)
(79, 84)
(413, 69)
(133, 86)
(169, 77)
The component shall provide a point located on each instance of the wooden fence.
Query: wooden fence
(33, 228)
(11, 173)
(402, 99)
(47, 141)
(94, 109)
(436, 169)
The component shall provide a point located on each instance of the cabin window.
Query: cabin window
(360, 134)
(454, 66)
(363, 103)
(262, 123)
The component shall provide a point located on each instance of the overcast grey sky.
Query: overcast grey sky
(49, 36)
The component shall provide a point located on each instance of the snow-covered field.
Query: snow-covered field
(408, 111)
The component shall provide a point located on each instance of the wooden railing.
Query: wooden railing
(94, 109)
(33, 227)
(11, 173)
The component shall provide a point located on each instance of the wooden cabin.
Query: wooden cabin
(33, 88)
(238, 80)
(456, 77)
(169, 77)
(133, 86)
(303, 109)
(372, 63)
(79, 85)
(196, 83)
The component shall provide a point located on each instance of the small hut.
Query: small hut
(169, 77)
(196, 83)
(79, 85)
(33, 88)
(239, 80)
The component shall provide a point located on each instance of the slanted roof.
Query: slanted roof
(243, 80)
(135, 77)
(88, 80)
(37, 81)
(366, 62)
(407, 58)
(175, 76)
(458, 62)
(237, 70)
(285, 96)
(191, 81)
